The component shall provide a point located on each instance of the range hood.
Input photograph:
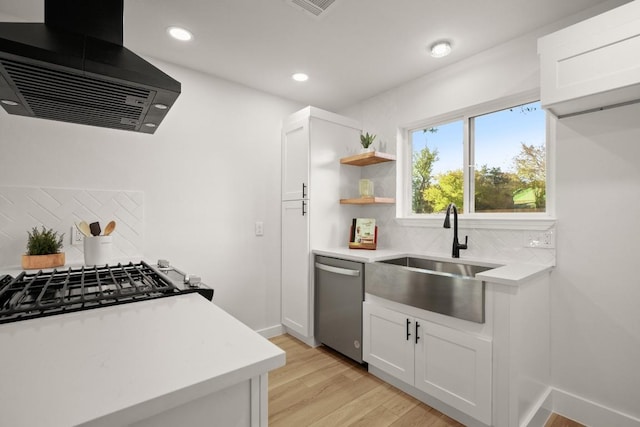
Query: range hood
(74, 68)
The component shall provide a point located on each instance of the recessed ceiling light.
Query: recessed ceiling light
(180, 33)
(440, 49)
(300, 77)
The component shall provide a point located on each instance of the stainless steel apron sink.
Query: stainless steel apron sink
(447, 288)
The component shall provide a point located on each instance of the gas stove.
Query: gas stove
(38, 294)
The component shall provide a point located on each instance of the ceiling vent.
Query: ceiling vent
(316, 8)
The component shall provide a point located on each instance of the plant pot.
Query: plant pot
(33, 262)
(367, 150)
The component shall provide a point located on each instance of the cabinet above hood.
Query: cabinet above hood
(74, 68)
(592, 65)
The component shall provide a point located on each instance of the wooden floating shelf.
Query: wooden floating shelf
(368, 201)
(366, 159)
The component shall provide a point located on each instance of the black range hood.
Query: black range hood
(74, 68)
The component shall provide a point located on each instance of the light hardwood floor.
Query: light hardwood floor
(319, 387)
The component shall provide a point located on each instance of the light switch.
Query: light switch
(259, 228)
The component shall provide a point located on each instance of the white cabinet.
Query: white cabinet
(295, 257)
(387, 341)
(451, 365)
(295, 160)
(313, 141)
(455, 367)
(592, 64)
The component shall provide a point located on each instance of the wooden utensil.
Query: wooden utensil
(84, 228)
(95, 228)
(109, 228)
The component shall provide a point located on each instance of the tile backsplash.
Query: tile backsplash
(22, 208)
(493, 245)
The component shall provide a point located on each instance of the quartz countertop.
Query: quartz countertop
(116, 365)
(505, 273)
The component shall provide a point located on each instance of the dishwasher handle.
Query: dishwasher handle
(338, 270)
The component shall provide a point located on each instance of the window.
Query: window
(506, 154)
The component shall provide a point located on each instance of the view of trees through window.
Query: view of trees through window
(507, 151)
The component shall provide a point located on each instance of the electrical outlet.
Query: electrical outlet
(540, 239)
(259, 228)
(76, 236)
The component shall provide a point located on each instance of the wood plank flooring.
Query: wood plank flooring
(559, 421)
(319, 387)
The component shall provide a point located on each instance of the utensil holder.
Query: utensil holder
(97, 250)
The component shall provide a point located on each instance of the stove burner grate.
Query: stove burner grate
(40, 294)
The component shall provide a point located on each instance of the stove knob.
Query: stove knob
(192, 281)
(163, 263)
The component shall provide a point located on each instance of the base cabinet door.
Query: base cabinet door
(454, 367)
(451, 365)
(388, 341)
(295, 267)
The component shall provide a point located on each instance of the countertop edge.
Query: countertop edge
(514, 274)
(177, 398)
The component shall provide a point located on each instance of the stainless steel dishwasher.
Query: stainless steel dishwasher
(339, 292)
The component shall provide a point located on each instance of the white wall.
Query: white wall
(596, 286)
(211, 170)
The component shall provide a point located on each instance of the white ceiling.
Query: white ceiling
(357, 49)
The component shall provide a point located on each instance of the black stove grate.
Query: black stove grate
(40, 294)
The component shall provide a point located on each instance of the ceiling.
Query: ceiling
(354, 50)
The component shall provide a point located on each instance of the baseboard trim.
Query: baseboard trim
(541, 411)
(272, 331)
(588, 412)
(310, 341)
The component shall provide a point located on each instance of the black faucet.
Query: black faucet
(456, 245)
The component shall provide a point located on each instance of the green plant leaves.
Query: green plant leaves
(44, 242)
(366, 140)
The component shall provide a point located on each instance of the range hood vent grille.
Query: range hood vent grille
(317, 8)
(64, 96)
(74, 68)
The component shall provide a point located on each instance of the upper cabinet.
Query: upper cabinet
(593, 64)
(312, 140)
(295, 160)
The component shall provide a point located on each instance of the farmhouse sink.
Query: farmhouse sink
(447, 288)
(459, 269)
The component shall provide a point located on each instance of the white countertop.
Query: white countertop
(115, 365)
(511, 274)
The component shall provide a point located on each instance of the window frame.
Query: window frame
(517, 221)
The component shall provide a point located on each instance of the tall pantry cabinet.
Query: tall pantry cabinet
(313, 141)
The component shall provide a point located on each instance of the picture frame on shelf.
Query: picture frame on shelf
(363, 234)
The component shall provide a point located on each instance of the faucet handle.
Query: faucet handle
(464, 246)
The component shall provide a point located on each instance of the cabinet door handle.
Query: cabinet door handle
(304, 187)
(304, 205)
(417, 337)
(408, 329)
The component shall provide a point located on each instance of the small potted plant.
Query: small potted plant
(43, 249)
(366, 140)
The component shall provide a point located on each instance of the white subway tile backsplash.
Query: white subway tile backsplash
(22, 208)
